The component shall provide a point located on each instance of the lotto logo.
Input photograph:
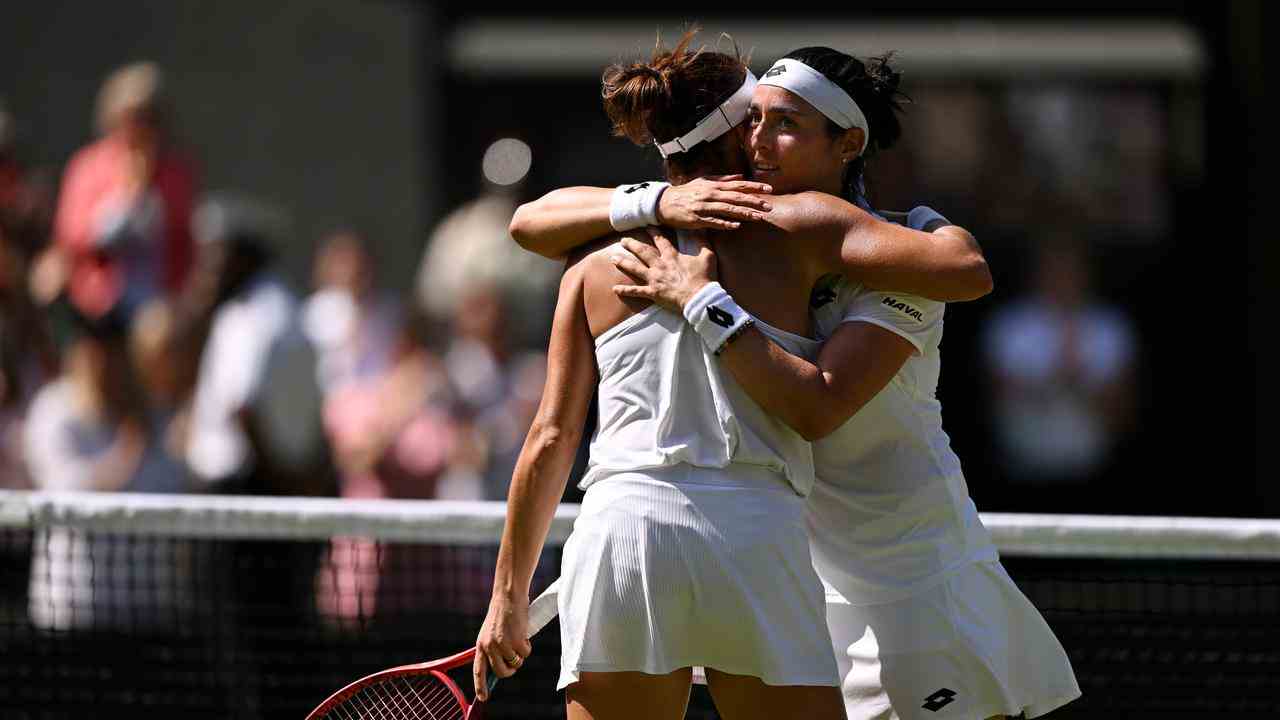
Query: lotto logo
(776, 71)
(939, 699)
(719, 317)
(634, 188)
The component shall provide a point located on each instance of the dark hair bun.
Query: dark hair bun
(883, 79)
(666, 96)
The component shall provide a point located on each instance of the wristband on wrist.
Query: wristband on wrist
(920, 217)
(635, 206)
(716, 317)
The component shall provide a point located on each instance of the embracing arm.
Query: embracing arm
(563, 219)
(855, 364)
(812, 398)
(539, 479)
(946, 264)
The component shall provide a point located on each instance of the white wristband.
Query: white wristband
(715, 316)
(635, 206)
(920, 217)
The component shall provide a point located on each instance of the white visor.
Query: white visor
(721, 120)
(818, 91)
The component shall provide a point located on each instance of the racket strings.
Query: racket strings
(414, 697)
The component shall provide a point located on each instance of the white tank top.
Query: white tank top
(664, 399)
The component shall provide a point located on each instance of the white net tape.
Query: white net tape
(480, 523)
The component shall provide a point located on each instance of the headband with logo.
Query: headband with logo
(721, 120)
(818, 91)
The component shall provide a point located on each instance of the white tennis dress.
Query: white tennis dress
(690, 548)
(924, 620)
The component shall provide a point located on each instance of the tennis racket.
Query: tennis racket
(422, 691)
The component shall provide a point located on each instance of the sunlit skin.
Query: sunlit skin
(790, 144)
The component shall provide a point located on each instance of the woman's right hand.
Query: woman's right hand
(503, 643)
(662, 273)
(721, 203)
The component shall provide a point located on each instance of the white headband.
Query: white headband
(819, 92)
(721, 120)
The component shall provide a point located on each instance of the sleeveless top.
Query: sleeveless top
(664, 399)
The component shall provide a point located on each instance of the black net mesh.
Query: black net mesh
(100, 624)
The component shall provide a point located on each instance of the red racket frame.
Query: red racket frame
(541, 612)
(436, 668)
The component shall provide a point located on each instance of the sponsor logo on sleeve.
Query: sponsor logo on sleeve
(903, 308)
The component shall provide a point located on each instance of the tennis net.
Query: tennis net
(237, 607)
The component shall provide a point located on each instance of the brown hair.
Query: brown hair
(665, 97)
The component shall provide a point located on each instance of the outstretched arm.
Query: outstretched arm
(538, 482)
(563, 219)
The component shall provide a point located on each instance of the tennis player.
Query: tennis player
(925, 622)
(690, 547)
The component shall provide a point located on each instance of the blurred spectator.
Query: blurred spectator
(392, 434)
(122, 229)
(472, 248)
(255, 425)
(506, 425)
(393, 438)
(1062, 365)
(86, 431)
(157, 362)
(255, 419)
(354, 325)
(479, 361)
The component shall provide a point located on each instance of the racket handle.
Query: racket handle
(541, 611)
(544, 608)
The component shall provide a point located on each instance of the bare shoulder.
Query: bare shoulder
(806, 211)
(594, 261)
(591, 271)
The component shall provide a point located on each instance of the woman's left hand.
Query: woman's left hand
(663, 274)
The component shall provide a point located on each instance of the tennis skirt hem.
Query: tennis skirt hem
(569, 676)
(973, 647)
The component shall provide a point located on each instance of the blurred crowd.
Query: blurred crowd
(149, 341)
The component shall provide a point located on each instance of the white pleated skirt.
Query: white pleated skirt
(971, 646)
(684, 566)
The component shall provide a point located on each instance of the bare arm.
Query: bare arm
(814, 399)
(564, 219)
(855, 364)
(538, 481)
(946, 265)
